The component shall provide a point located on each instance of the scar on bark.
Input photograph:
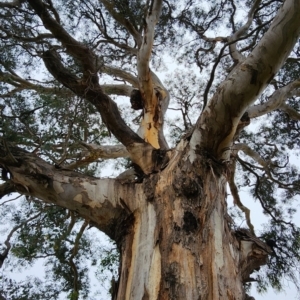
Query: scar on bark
(254, 76)
(190, 222)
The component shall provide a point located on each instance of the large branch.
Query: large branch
(105, 202)
(95, 152)
(154, 95)
(276, 101)
(151, 127)
(144, 54)
(76, 49)
(88, 87)
(113, 71)
(247, 81)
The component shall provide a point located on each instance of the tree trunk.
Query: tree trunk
(172, 229)
(180, 245)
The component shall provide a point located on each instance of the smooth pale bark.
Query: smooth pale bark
(251, 153)
(235, 54)
(109, 70)
(95, 152)
(293, 114)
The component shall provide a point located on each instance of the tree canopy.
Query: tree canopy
(89, 84)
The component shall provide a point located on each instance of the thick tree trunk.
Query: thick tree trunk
(172, 229)
(180, 245)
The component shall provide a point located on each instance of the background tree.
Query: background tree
(65, 69)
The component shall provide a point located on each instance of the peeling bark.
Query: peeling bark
(173, 237)
(97, 200)
(170, 226)
(180, 246)
(154, 94)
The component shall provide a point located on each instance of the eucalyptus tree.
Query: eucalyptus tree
(69, 70)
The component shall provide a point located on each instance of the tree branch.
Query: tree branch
(73, 47)
(22, 84)
(7, 243)
(263, 204)
(122, 21)
(96, 152)
(251, 153)
(154, 96)
(109, 70)
(88, 87)
(144, 54)
(267, 165)
(276, 101)
(6, 188)
(117, 89)
(98, 200)
(293, 114)
(74, 253)
(247, 81)
(235, 54)
(236, 197)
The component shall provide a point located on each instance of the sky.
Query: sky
(289, 294)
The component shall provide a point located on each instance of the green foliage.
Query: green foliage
(59, 239)
(48, 119)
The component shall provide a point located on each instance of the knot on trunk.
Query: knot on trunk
(190, 222)
(136, 99)
(189, 185)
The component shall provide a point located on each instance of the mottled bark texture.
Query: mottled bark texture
(169, 221)
(171, 228)
(180, 245)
